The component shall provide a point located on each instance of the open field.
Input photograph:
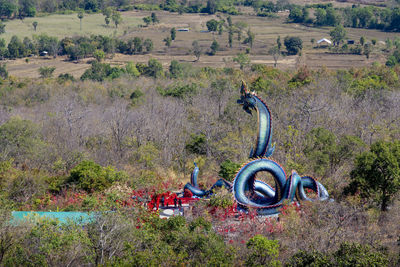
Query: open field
(266, 30)
(67, 25)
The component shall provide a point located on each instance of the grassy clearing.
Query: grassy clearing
(68, 25)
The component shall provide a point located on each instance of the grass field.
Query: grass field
(266, 30)
(68, 25)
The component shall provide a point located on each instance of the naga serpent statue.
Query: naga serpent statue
(252, 193)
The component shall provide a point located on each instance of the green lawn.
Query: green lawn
(67, 25)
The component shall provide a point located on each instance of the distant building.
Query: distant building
(350, 41)
(324, 42)
(183, 30)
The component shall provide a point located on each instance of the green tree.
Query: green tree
(46, 72)
(229, 20)
(250, 38)
(2, 28)
(34, 24)
(354, 254)
(154, 18)
(228, 170)
(296, 15)
(367, 50)
(175, 69)
(197, 144)
(147, 20)
(3, 71)
(196, 49)
(338, 34)
(16, 48)
(107, 12)
(276, 53)
(3, 49)
(167, 40)
(242, 59)
(262, 252)
(239, 26)
(320, 17)
(7, 9)
(278, 42)
(214, 47)
(212, 6)
(26, 8)
(131, 69)
(362, 40)
(173, 34)
(377, 173)
(332, 18)
(99, 55)
(47, 243)
(19, 139)
(148, 44)
(80, 17)
(230, 37)
(293, 45)
(212, 25)
(307, 258)
(221, 27)
(154, 68)
(100, 71)
(137, 45)
(116, 18)
(325, 151)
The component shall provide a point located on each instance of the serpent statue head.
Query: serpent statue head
(246, 99)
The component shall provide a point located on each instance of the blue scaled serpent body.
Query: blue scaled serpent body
(247, 190)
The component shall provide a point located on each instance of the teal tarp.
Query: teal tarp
(63, 217)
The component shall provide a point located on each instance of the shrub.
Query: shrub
(63, 77)
(20, 139)
(46, 72)
(221, 198)
(197, 144)
(179, 91)
(304, 258)
(262, 252)
(101, 71)
(154, 68)
(90, 176)
(214, 47)
(354, 254)
(228, 170)
(175, 69)
(3, 71)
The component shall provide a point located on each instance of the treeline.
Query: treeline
(133, 237)
(386, 19)
(75, 48)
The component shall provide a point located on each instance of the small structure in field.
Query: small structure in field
(183, 30)
(324, 42)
